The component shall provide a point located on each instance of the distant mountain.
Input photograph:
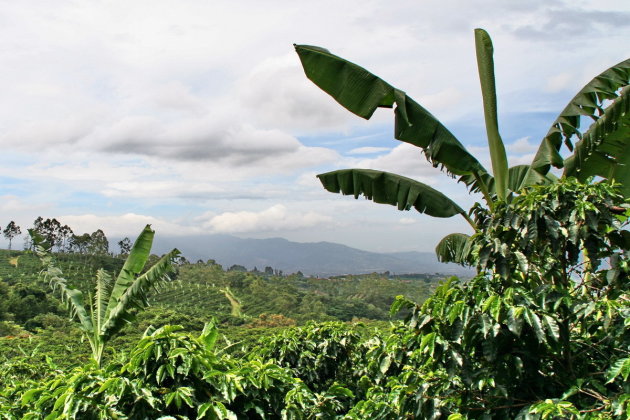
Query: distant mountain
(319, 259)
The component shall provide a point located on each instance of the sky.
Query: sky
(195, 116)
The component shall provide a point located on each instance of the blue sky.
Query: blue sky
(196, 117)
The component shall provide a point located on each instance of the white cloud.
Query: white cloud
(276, 93)
(446, 99)
(521, 145)
(113, 107)
(368, 150)
(275, 218)
(404, 159)
(521, 160)
(559, 82)
(309, 180)
(407, 221)
(128, 224)
(153, 189)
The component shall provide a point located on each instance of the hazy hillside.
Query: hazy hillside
(321, 258)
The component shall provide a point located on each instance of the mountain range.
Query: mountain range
(314, 259)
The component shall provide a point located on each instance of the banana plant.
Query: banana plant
(114, 302)
(599, 151)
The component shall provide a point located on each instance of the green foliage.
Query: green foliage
(113, 302)
(600, 152)
(485, 63)
(541, 332)
(319, 354)
(168, 373)
(556, 233)
(198, 292)
(592, 101)
(387, 188)
(11, 231)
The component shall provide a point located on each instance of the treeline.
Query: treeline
(200, 291)
(62, 238)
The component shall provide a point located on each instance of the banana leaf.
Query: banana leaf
(589, 102)
(603, 150)
(387, 188)
(361, 92)
(454, 248)
(485, 64)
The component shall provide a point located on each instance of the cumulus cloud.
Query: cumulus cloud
(152, 189)
(15, 208)
(448, 98)
(368, 150)
(571, 23)
(194, 140)
(521, 146)
(404, 159)
(113, 107)
(277, 94)
(275, 218)
(126, 224)
(559, 82)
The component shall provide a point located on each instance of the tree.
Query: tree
(125, 246)
(50, 229)
(65, 233)
(11, 231)
(79, 243)
(54, 233)
(99, 245)
(600, 151)
(105, 312)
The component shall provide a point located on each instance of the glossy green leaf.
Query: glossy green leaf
(455, 311)
(534, 321)
(388, 188)
(588, 102)
(134, 296)
(603, 150)
(361, 92)
(454, 248)
(101, 297)
(515, 319)
(552, 327)
(209, 335)
(485, 64)
(620, 368)
(133, 266)
(427, 344)
(492, 305)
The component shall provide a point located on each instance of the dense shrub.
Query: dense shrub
(541, 331)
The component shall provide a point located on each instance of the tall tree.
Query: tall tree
(49, 229)
(65, 233)
(11, 231)
(99, 245)
(125, 246)
(600, 151)
(79, 243)
(112, 305)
